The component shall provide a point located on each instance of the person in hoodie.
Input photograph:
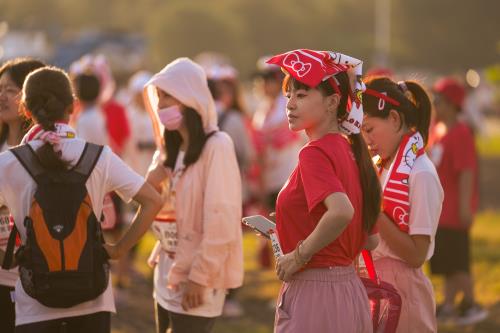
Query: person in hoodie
(199, 254)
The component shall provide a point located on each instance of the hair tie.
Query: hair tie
(407, 93)
(402, 86)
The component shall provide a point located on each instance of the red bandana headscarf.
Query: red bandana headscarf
(312, 67)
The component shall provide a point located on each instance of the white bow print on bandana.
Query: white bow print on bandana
(293, 63)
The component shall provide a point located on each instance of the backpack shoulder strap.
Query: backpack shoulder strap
(88, 159)
(29, 160)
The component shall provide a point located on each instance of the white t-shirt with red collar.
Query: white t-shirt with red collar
(16, 192)
(426, 198)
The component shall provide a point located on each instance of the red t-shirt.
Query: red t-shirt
(117, 125)
(325, 166)
(452, 154)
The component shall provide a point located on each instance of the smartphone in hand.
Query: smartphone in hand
(260, 224)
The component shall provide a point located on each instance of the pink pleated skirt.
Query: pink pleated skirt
(418, 307)
(323, 300)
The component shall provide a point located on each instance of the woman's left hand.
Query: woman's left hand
(286, 266)
(193, 295)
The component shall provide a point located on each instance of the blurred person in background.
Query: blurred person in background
(141, 146)
(138, 154)
(231, 115)
(117, 124)
(456, 160)
(103, 120)
(278, 147)
(478, 100)
(232, 119)
(91, 123)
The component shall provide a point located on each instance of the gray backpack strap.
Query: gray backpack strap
(29, 160)
(88, 159)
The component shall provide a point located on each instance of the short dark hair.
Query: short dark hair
(87, 87)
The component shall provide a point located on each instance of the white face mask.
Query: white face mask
(171, 117)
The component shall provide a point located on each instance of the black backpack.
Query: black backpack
(63, 261)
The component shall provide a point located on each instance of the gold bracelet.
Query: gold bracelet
(296, 255)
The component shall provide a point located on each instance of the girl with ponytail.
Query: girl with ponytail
(47, 98)
(396, 129)
(326, 211)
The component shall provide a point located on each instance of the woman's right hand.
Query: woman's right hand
(153, 257)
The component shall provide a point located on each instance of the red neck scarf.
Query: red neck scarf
(396, 188)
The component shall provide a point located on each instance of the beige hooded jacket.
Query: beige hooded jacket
(208, 194)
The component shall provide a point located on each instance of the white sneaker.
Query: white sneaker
(445, 314)
(471, 314)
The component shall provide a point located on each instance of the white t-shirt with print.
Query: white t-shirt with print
(7, 277)
(426, 198)
(16, 191)
(171, 300)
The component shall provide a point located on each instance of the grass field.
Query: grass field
(489, 146)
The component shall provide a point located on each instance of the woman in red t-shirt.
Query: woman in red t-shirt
(329, 205)
(456, 160)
